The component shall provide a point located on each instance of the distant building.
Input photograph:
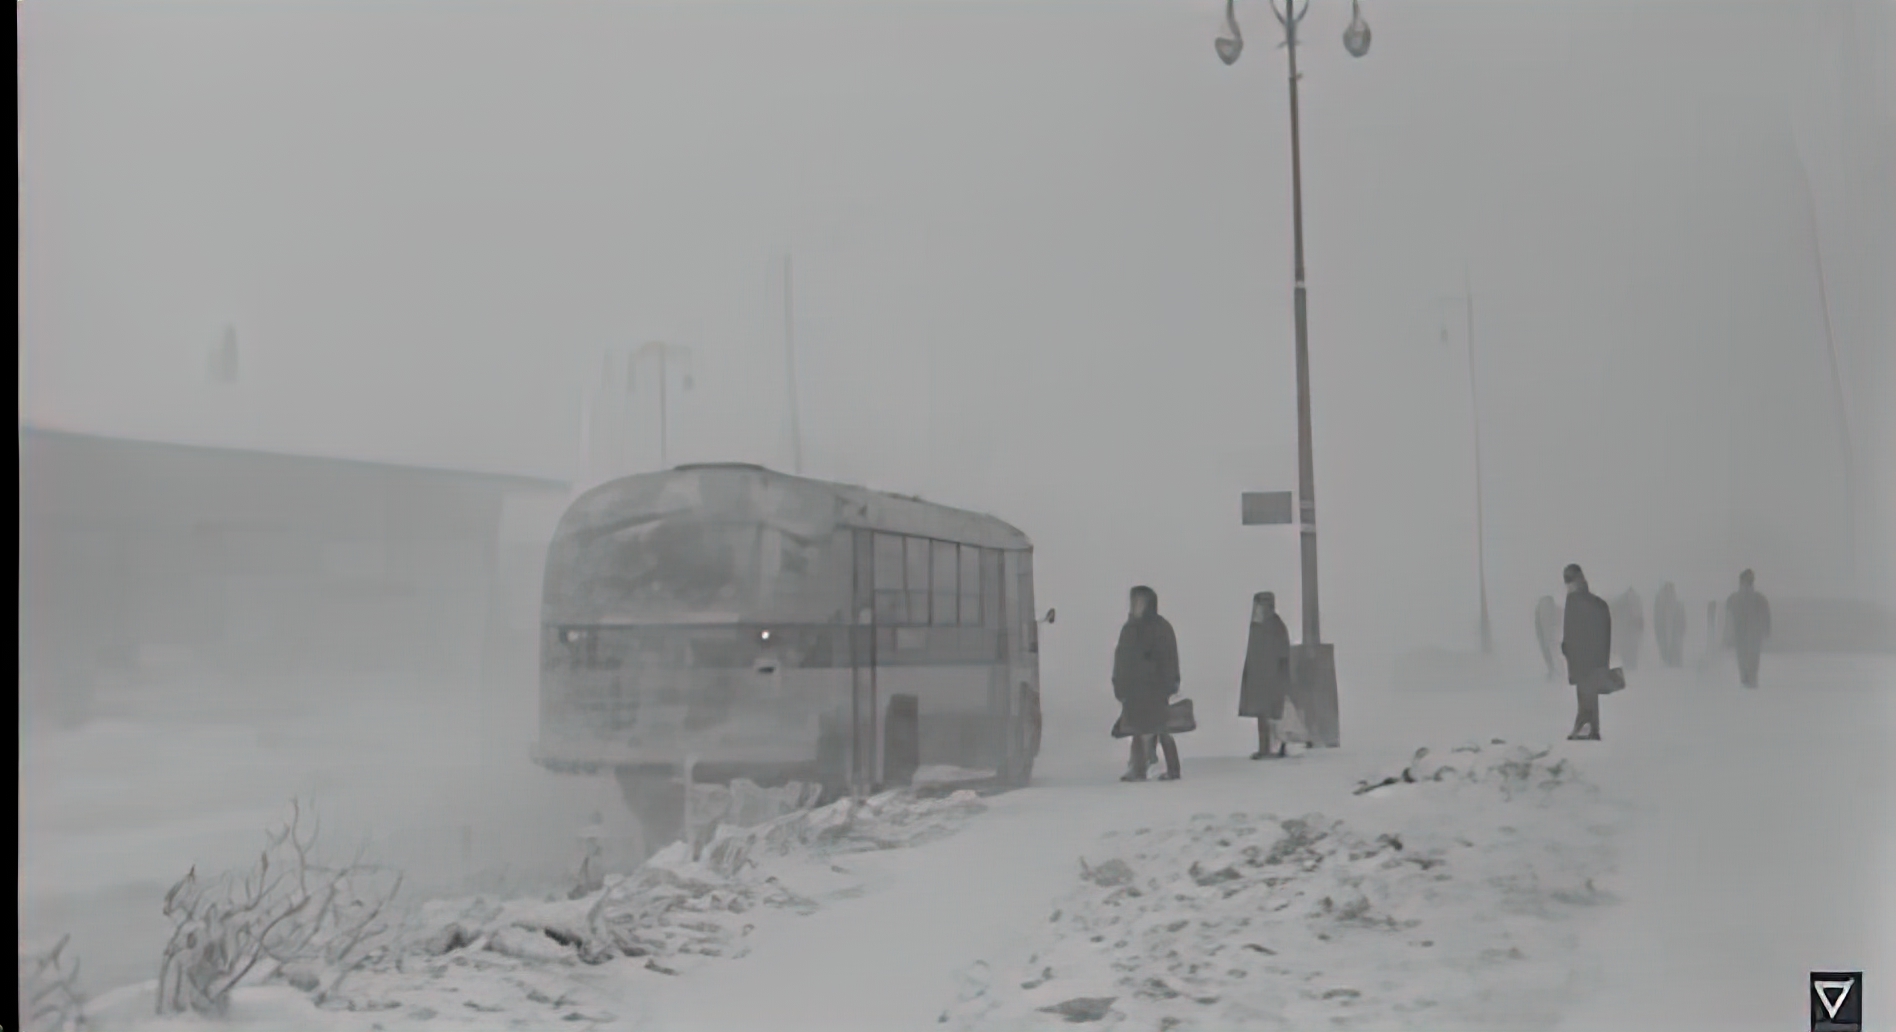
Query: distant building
(137, 556)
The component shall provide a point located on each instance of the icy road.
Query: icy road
(1689, 871)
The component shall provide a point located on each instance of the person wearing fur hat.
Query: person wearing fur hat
(1145, 677)
(1265, 682)
(1587, 642)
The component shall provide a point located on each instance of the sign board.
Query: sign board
(1267, 507)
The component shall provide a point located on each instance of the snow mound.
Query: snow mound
(941, 779)
(1460, 910)
(1510, 770)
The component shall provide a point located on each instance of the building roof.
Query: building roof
(99, 442)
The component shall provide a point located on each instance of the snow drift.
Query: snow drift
(1452, 912)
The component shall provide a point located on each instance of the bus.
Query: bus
(779, 628)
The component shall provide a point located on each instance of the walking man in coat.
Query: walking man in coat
(1145, 677)
(1587, 642)
(1630, 615)
(1266, 678)
(1547, 630)
(1747, 624)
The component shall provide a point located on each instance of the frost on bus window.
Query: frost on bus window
(673, 563)
(806, 579)
(917, 579)
(945, 568)
(891, 602)
(970, 586)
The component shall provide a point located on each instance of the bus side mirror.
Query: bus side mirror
(1049, 617)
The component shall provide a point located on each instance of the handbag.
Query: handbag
(1606, 682)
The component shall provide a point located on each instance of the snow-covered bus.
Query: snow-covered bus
(780, 628)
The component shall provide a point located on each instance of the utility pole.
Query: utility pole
(1306, 472)
(1836, 374)
(664, 352)
(1474, 409)
(790, 364)
(1314, 661)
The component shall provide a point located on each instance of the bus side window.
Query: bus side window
(945, 566)
(917, 583)
(991, 588)
(970, 586)
(863, 592)
(1029, 624)
(891, 602)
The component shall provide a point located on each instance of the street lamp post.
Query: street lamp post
(664, 351)
(1315, 657)
(1474, 408)
(790, 369)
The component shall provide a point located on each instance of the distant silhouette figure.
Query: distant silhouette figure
(1547, 632)
(1747, 624)
(1630, 617)
(1668, 625)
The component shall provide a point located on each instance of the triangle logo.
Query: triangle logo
(1832, 994)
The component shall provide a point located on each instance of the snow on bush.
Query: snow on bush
(1456, 912)
(1517, 770)
(474, 960)
(49, 989)
(289, 918)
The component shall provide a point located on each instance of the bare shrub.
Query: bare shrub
(49, 990)
(289, 918)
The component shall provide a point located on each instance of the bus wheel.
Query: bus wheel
(656, 800)
(1024, 731)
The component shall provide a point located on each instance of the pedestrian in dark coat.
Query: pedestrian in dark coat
(1265, 682)
(1587, 642)
(1547, 631)
(1668, 625)
(1145, 677)
(1630, 616)
(1747, 624)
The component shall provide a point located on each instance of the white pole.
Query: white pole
(691, 845)
(790, 364)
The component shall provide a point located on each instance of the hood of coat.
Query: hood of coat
(1151, 600)
(1263, 607)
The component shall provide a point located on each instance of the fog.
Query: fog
(1041, 270)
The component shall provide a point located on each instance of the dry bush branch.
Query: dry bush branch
(49, 992)
(288, 910)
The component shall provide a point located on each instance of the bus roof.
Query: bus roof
(742, 492)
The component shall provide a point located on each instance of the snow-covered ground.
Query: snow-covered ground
(1687, 871)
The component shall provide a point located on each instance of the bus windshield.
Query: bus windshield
(684, 569)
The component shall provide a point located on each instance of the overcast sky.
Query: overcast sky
(1042, 265)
